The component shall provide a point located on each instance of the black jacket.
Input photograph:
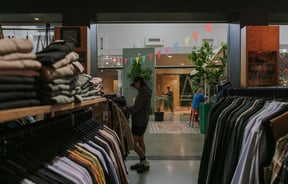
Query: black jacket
(141, 108)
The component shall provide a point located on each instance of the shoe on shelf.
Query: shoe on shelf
(143, 168)
(135, 166)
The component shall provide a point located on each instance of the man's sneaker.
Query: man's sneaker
(144, 162)
(143, 168)
(135, 166)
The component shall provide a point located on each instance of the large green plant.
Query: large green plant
(208, 71)
(201, 57)
(138, 70)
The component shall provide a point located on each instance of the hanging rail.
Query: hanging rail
(26, 29)
(46, 28)
(273, 92)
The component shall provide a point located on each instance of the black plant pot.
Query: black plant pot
(159, 116)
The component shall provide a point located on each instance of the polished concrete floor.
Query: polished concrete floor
(174, 158)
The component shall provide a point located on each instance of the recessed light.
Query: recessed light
(36, 18)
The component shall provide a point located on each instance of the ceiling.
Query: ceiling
(29, 18)
(148, 11)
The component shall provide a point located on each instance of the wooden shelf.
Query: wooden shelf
(17, 113)
(259, 56)
(80, 35)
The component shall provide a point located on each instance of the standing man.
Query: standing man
(140, 118)
(170, 99)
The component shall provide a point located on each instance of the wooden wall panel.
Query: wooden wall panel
(260, 56)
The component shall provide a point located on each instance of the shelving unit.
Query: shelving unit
(17, 113)
(260, 56)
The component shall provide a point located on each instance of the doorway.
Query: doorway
(179, 82)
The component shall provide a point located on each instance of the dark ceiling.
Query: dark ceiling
(85, 12)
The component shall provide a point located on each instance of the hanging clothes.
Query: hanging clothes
(238, 140)
(64, 149)
(117, 121)
(278, 172)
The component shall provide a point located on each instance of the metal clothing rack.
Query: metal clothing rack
(47, 30)
(271, 92)
(47, 27)
(42, 41)
(26, 29)
(1, 32)
(31, 135)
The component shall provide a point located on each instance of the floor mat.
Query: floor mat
(172, 128)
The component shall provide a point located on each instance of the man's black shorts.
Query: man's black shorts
(138, 131)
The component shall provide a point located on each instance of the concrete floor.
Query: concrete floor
(174, 158)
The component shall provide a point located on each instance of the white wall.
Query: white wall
(284, 35)
(30, 32)
(118, 36)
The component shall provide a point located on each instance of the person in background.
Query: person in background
(170, 99)
(197, 99)
(140, 118)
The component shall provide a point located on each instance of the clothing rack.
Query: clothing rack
(273, 92)
(29, 136)
(27, 29)
(47, 28)
(242, 128)
(43, 41)
(1, 32)
(27, 152)
(13, 114)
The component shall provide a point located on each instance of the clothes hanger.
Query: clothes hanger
(21, 171)
(53, 176)
(34, 161)
(27, 35)
(8, 176)
(1, 32)
(30, 162)
(16, 167)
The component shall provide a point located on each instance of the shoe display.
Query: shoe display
(135, 166)
(143, 168)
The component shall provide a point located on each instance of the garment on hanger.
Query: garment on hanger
(238, 139)
(117, 121)
(278, 169)
(63, 149)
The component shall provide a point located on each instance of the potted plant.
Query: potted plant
(208, 71)
(209, 67)
(146, 73)
(159, 115)
(137, 70)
